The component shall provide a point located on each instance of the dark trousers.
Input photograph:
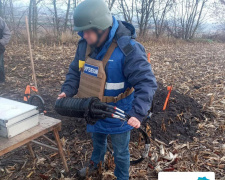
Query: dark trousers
(2, 71)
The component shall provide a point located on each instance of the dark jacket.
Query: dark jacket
(136, 71)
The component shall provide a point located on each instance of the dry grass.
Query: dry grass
(68, 37)
(194, 69)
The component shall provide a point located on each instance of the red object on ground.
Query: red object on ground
(151, 166)
(27, 92)
(169, 88)
(149, 55)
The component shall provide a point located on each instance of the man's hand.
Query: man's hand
(134, 122)
(62, 95)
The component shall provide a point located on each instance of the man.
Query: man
(4, 39)
(117, 71)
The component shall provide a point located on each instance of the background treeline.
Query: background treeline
(180, 19)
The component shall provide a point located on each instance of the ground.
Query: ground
(188, 136)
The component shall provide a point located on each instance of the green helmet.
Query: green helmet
(92, 14)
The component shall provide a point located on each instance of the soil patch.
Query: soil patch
(179, 121)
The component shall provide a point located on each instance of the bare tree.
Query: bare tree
(218, 13)
(110, 3)
(127, 9)
(187, 18)
(181, 18)
(30, 17)
(143, 12)
(56, 20)
(67, 15)
(75, 3)
(160, 8)
(12, 17)
(33, 18)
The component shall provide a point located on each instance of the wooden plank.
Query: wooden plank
(31, 55)
(58, 141)
(29, 146)
(44, 145)
(46, 124)
(51, 141)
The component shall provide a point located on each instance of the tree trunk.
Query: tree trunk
(34, 19)
(30, 18)
(67, 14)
(143, 12)
(12, 20)
(56, 18)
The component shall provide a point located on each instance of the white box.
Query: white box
(16, 117)
(19, 127)
(12, 112)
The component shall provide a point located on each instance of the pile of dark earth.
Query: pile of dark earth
(180, 119)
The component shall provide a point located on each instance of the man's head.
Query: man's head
(95, 37)
(94, 19)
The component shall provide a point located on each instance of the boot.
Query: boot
(87, 171)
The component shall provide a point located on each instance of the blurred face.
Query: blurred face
(90, 36)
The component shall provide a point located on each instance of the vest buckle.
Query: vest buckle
(115, 99)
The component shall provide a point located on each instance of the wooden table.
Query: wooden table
(46, 125)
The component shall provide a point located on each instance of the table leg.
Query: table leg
(31, 150)
(56, 134)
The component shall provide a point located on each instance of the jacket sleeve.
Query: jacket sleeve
(71, 84)
(6, 33)
(139, 74)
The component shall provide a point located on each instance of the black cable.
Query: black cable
(37, 100)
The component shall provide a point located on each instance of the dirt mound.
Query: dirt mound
(178, 121)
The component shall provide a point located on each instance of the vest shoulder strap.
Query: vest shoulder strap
(109, 52)
(88, 51)
(107, 55)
